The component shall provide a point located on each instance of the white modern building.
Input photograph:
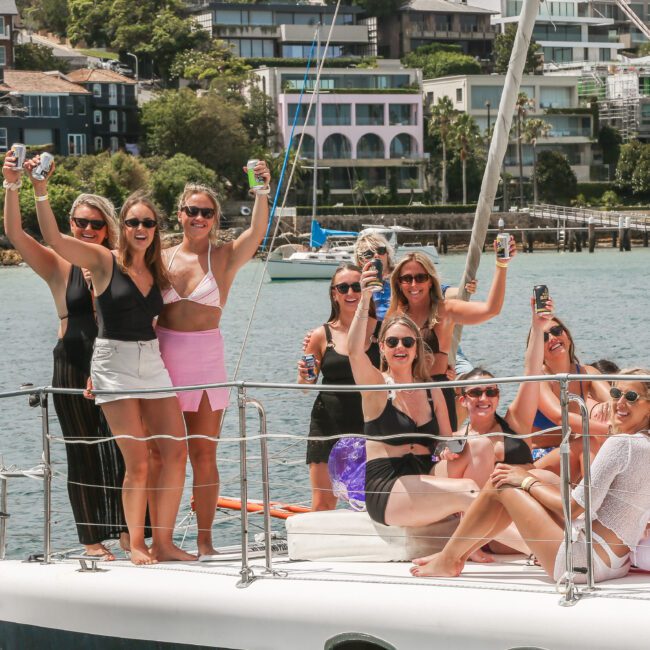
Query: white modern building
(370, 121)
(552, 98)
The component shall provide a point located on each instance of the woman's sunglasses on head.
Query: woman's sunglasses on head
(418, 278)
(370, 253)
(195, 211)
(556, 330)
(393, 341)
(629, 395)
(146, 223)
(95, 224)
(344, 287)
(493, 391)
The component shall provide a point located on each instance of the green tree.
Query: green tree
(442, 63)
(533, 130)
(88, 22)
(118, 175)
(503, 45)
(412, 184)
(168, 181)
(609, 200)
(557, 182)
(644, 49)
(610, 140)
(259, 118)
(34, 56)
(359, 190)
(628, 161)
(440, 125)
(522, 105)
(641, 174)
(466, 139)
(379, 8)
(380, 192)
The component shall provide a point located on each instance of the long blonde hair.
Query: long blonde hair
(106, 209)
(371, 241)
(646, 392)
(399, 301)
(196, 188)
(420, 367)
(153, 254)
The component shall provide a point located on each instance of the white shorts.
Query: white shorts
(127, 366)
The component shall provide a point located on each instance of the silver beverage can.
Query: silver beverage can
(310, 362)
(43, 168)
(503, 246)
(20, 151)
(253, 181)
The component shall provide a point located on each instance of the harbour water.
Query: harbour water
(603, 299)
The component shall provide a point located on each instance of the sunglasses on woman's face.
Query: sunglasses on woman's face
(370, 253)
(556, 330)
(95, 224)
(344, 287)
(477, 392)
(418, 278)
(393, 341)
(146, 223)
(630, 396)
(195, 211)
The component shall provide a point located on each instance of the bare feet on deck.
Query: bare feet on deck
(436, 565)
(207, 549)
(98, 550)
(141, 556)
(171, 554)
(480, 556)
(125, 542)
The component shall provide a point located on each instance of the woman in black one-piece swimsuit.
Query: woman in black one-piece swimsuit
(335, 413)
(97, 511)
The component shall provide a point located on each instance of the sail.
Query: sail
(319, 235)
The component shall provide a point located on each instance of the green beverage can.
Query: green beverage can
(253, 181)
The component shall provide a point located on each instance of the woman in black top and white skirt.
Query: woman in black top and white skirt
(126, 357)
(96, 471)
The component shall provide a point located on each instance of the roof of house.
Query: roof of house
(98, 75)
(444, 6)
(23, 81)
(8, 7)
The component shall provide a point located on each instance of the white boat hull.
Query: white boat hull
(303, 269)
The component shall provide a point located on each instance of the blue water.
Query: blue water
(603, 298)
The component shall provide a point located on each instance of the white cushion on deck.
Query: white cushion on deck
(347, 535)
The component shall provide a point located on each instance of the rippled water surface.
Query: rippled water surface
(602, 297)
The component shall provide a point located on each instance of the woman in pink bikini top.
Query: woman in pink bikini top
(191, 344)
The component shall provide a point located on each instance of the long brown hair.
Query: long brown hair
(646, 388)
(420, 367)
(106, 209)
(196, 188)
(335, 310)
(153, 255)
(399, 301)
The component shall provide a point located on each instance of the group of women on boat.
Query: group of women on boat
(135, 317)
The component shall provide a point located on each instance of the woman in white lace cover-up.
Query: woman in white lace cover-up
(620, 501)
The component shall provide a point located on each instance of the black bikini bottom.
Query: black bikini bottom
(381, 475)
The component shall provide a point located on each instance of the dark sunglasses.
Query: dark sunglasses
(95, 224)
(344, 287)
(370, 253)
(418, 278)
(146, 223)
(477, 392)
(630, 396)
(556, 331)
(195, 211)
(393, 341)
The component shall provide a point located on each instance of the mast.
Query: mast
(314, 200)
(498, 146)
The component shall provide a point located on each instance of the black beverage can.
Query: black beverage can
(540, 291)
(377, 284)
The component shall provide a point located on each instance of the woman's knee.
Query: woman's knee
(137, 469)
(203, 456)
(482, 450)
(173, 452)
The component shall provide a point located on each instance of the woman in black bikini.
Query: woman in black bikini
(335, 413)
(95, 472)
(400, 487)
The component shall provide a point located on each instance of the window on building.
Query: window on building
(308, 143)
(99, 143)
(252, 47)
(81, 104)
(459, 94)
(115, 143)
(404, 114)
(3, 56)
(554, 97)
(302, 114)
(3, 139)
(444, 22)
(337, 114)
(2, 25)
(371, 146)
(76, 144)
(97, 90)
(69, 106)
(97, 117)
(483, 94)
(112, 93)
(305, 19)
(260, 17)
(42, 105)
(112, 121)
(403, 146)
(468, 23)
(337, 146)
(228, 17)
(122, 94)
(369, 114)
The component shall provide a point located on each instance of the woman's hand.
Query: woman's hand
(303, 371)
(88, 392)
(369, 273)
(261, 169)
(508, 475)
(512, 247)
(471, 287)
(40, 186)
(540, 320)
(9, 171)
(600, 412)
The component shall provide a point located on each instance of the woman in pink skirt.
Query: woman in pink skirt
(201, 274)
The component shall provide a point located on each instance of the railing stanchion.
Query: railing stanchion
(47, 479)
(3, 514)
(246, 572)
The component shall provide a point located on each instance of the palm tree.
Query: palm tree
(380, 192)
(534, 129)
(466, 138)
(359, 189)
(440, 124)
(522, 105)
(412, 184)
